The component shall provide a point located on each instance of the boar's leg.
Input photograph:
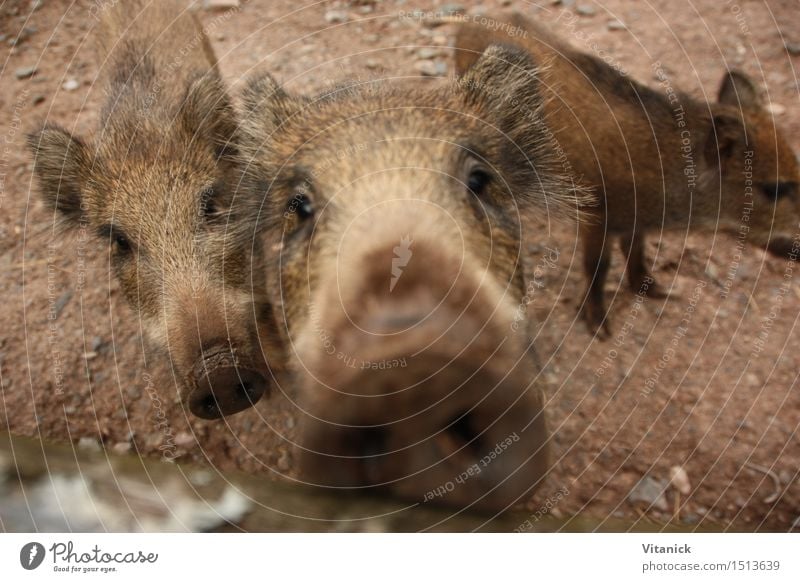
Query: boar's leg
(640, 278)
(596, 261)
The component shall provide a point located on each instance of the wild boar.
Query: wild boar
(159, 184)
(392, 229)
(656, 159)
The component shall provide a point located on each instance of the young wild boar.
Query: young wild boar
(392, 224)
(159, 183)
(657, 159)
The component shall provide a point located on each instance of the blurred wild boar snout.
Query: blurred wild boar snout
(424, 378)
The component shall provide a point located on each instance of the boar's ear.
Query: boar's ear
(739, 90)
(62, 165)
(504, 84)
(726, 139)
(267, 106)
(208, 115)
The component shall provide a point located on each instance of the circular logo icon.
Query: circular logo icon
(31, 555)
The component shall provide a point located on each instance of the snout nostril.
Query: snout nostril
(226, 390)
(461, 434)
(210, 407)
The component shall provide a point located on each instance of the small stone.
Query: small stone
(71, 84)
(89, 355)
(427, 52)
(439, 39)
(372, 64)
(615, 25)
(776, 108)
(221, 4)
(184, 439)
(371, 38)
(478, 11)
(585, 10)
(506, 3)
(121, 448)
(649, 491)
(39, 99)
(97, 343)
(284, 462)
(336, 16)
(679, 479)
(452, 9)
(89, 444)
(25, 72)
(219, 36)
(426, 68)
(793, 48)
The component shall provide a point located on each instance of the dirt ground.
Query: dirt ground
(660, 394)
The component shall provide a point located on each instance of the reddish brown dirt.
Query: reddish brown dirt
(73, 364)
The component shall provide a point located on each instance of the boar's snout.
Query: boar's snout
(224, 384)
(426, 394)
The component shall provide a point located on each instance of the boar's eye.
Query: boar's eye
(779, 190)
(121, 242)
(478, 180)
(117, 238)
(301, 205)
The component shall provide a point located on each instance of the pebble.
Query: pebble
(452, 9)
(585, 10)
(615, 25)
(336, 16)
(184, 439)
(428, 52)
(372, 63)
(426, 68)
(121, 448)
(39, 99)
(25, 72)
(679, 479)
(371, 38)
(71, 84)
(90, 355)
(221, 4)
(793, 48)
(89, 444)
(284, 462)
(650, 491)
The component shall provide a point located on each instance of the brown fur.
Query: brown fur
(159, 183)
(349, 175)
(625, 141)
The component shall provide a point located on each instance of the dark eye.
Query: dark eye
(478, 181)
(779, 190)
(301, 205)
(121, 242)
(209, 208)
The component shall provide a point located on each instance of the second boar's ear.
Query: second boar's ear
(739, 90)
(62, 166)
(207, 113)
(266, 105)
